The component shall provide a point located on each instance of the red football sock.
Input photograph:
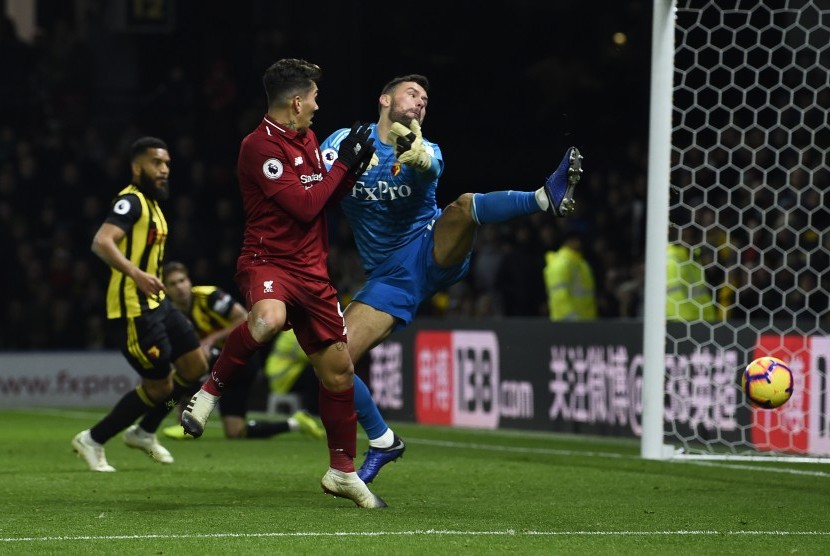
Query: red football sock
(238, 348)
(340, 421)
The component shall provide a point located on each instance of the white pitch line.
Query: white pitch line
(744, 467)
(417, 532)
(611, 455)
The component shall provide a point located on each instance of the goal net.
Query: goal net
(750, 197)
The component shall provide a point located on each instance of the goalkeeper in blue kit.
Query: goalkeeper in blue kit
(410, 248)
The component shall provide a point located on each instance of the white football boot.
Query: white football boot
(196, 414)
(136, 437)
(350, 486)
(91, 452)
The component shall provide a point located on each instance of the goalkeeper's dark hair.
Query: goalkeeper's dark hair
(413, 77)
(289, 77)
(140, 146)
(171, 267)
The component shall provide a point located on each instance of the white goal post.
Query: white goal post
(739, 171)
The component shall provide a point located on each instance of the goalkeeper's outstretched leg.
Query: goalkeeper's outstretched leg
(456, 227)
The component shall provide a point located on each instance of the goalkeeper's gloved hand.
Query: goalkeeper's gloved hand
(409, 145)
(356, 145)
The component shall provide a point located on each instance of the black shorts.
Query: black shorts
(153, 341)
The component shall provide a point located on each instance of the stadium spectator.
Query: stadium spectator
(282, 268)
(569, 281)
(688, 295)
(628, 291)
(410, 248)
(522, 264)
(151, 332)
(488, 254)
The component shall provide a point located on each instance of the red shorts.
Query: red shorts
(312, 307)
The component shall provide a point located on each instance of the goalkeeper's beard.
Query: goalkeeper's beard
(401, 117)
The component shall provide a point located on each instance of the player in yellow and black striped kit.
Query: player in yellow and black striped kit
(153, 335)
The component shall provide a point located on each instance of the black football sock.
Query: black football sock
(265, 429)
(181, 391)
(130, 407)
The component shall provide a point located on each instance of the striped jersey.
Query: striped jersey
(146, 233)
(210, 309)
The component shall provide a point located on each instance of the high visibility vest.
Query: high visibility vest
(570, 285)
(688, 297)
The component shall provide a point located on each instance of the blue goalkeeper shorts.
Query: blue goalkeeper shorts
(408, 277)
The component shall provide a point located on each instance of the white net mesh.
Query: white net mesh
(750, 178)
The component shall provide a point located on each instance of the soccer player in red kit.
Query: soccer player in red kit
(282, 267)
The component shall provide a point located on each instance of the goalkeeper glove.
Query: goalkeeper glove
(409, 145)
(356, 145)
(374, 161)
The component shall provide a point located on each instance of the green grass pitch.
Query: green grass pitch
(456, 491)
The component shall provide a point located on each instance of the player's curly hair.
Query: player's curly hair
(289, 77)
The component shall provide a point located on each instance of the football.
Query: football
(767, 382)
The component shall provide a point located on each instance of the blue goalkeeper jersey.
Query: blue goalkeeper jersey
(391, 204)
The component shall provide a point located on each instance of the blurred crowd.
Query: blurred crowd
(63, 147)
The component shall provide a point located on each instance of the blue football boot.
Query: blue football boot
(560, 184)
(378, 457)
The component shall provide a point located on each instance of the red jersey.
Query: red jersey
(285, 189)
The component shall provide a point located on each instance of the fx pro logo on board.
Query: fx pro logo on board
(457, 378)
